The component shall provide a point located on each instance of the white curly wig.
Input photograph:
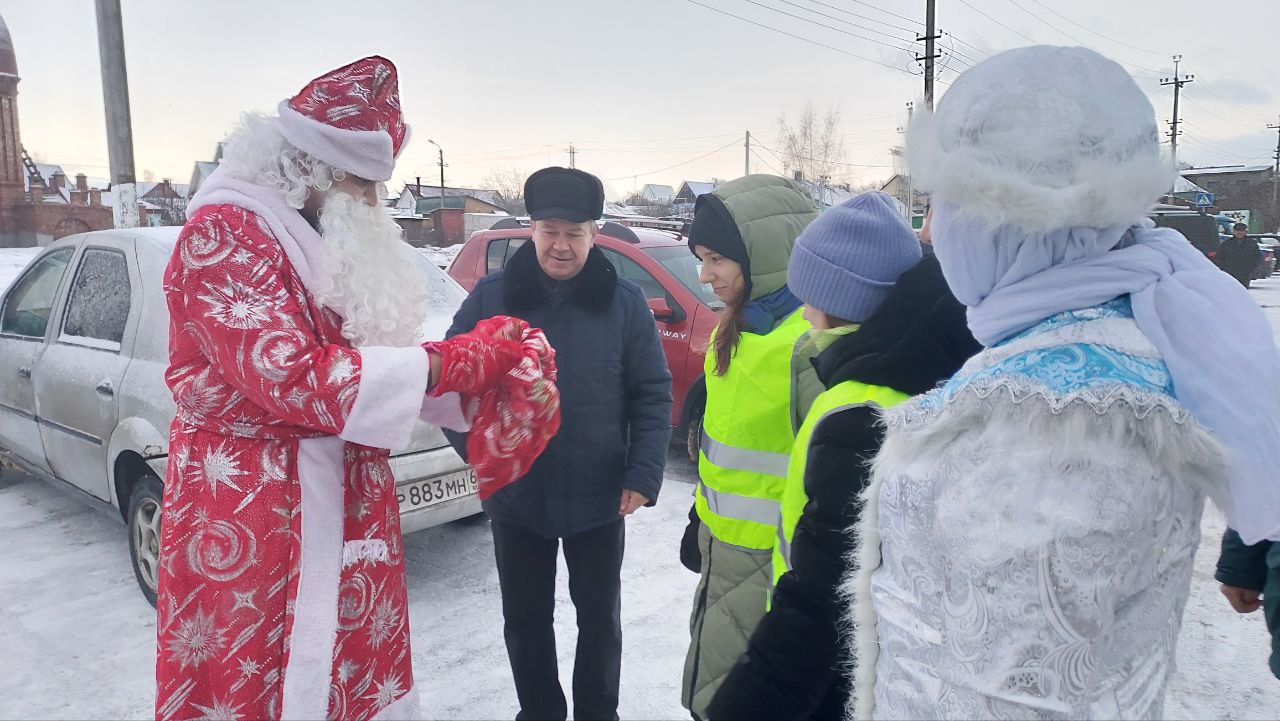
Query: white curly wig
(257, 152)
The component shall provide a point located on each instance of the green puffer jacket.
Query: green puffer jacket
(1257, 568)
(769, 212)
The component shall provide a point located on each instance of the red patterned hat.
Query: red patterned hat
(350, 118)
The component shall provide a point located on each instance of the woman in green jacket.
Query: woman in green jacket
(743, 233)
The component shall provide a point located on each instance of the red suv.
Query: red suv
(660, 263)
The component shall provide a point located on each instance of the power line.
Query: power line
(970, 45)
(997, 22)
(781, 153)
(1095, 32)
(954, 51)
(824, 25)
(1051, 25)
(1078, 40)
(800, 37)
(1215, 114)
(677, 165)
(1235, 146)
(864, 17)
(887, 12)
(767, 164)
(1209, 86)
(1224, 146)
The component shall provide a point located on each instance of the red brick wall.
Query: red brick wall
(51, 221)
(11, 194)
(448, 224)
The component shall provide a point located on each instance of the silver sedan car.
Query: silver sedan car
(83, 403)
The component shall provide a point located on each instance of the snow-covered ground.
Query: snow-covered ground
(78, 640)
(12, 261)
(441, 257)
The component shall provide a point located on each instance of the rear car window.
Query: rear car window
(499, 253)
(99, 301)
(495, 255)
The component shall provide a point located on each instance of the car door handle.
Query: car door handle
(104, 388)
(24, 372)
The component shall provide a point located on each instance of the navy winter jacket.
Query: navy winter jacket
(615, 393)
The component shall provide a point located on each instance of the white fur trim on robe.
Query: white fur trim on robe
(315, 617)
(391, 397)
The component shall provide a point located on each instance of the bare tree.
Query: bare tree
(813, 145)
(509, 183)
(648, 206)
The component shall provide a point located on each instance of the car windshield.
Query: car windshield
(685, 266)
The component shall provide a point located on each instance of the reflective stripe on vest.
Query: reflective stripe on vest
(747, 437)
(840, 397)
(744, 508)
(744, 459)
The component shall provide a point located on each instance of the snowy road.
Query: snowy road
(78, 639)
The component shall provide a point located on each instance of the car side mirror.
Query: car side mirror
(662, 312)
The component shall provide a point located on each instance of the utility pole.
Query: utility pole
(930, 35)
(442, 167)
(1275, 174)
(573, 155)
(441, 163)
(1177, 81)
(746, 167)
(115, 92)
(911, 183)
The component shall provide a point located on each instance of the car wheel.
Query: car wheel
(145, 503)
(693, 440)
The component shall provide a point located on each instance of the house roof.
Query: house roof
(662, 193)
(1183, 186)
(697, 187)
(433, 191)
(204, 169)
(145, 188)
(426, 205)
(46, 171)
(828, 195)
(1225, 169)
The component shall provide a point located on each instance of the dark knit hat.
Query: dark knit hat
(713, 227)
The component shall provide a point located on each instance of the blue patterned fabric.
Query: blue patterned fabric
(1070, 368)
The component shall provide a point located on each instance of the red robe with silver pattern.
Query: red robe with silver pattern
(281, 588)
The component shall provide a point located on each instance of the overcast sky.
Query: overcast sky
(638, 87)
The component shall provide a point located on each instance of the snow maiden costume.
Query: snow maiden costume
(1038, 515)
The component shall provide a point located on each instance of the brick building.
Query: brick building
(36, 208)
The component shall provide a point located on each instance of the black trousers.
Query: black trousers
(527, 576)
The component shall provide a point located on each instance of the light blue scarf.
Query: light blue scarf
(1219, 348)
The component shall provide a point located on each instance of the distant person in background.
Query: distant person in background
(926, 233)
(1239, 255)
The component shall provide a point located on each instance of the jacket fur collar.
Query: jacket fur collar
(525, 286)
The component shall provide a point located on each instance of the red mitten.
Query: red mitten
(512, 424)
(471, 363)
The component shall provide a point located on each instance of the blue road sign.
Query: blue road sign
(1204, 200)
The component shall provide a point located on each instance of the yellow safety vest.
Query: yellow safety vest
(747, 437)
(849, 394)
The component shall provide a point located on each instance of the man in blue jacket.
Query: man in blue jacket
(606, 461)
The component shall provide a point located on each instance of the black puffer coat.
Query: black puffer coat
(792, 668)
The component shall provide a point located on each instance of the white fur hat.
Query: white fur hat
(1042, 138)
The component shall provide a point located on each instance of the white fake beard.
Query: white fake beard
(371, 278)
